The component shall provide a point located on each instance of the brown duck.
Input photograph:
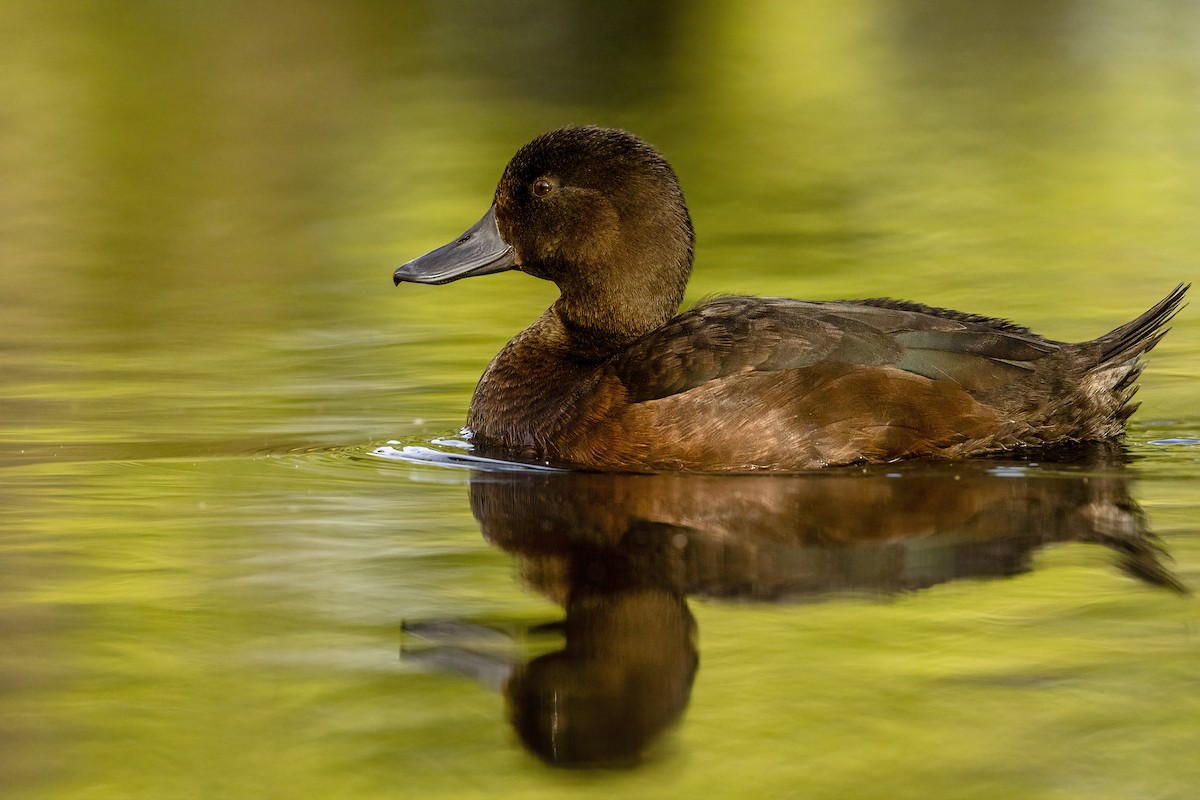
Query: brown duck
(611, 377)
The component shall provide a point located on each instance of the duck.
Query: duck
(614, 377)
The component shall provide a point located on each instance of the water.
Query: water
(213, 583)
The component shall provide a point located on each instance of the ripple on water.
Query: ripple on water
(454, 453)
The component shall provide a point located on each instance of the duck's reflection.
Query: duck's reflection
(624, 676)
(621, 553)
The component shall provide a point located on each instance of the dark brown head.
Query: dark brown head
(596, 210)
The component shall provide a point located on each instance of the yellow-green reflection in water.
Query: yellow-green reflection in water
(203, 572)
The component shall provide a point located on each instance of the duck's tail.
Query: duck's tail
(1136, 338)
(1118, 353)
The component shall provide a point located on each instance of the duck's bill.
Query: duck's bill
(481, 250)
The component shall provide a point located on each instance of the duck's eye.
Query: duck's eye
(542, 187)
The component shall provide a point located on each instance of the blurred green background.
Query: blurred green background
(201, 205)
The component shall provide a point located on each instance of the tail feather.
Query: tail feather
(1128, 380)
(1139, 336)
(1110, 382)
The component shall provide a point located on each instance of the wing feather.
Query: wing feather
(727, 335)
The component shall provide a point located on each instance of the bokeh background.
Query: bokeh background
(203, 570)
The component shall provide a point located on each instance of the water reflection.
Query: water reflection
(620, 553)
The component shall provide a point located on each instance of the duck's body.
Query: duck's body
(609, 377)
(747, 383)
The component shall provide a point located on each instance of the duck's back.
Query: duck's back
(743, 383)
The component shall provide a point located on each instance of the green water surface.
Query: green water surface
(204, 570)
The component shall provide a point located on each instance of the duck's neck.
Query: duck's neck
(603, 310)
(593, 338)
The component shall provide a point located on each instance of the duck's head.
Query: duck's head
(596, 210)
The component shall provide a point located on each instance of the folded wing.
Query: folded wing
(738, 334)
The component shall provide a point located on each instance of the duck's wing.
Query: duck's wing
(735, 334)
